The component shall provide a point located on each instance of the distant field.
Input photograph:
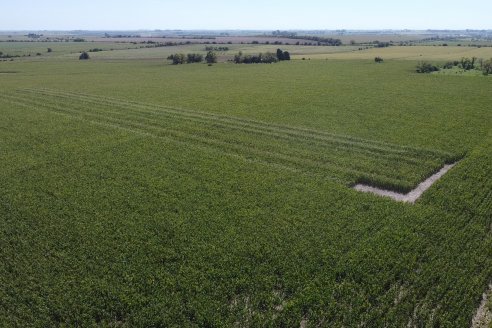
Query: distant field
(58, 48)
(410, 53)
(136, 193)
(123, 51)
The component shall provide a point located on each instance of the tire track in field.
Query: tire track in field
(390, 161)
(171, 140)
(322, 142)
(337, 173)
(315, 143)
(184, 138)
(381, 168)
(307, 133)
(341, 169)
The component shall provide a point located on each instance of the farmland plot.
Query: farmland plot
(140, 194)
(342, 158)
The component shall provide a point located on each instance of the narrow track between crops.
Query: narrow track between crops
(342, 158)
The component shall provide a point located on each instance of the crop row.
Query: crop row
(342, 158)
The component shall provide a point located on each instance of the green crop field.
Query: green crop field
(135, 193)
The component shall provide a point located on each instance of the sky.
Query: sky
(245, 14)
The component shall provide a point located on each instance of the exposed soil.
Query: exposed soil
(413, 195)
(483, 317)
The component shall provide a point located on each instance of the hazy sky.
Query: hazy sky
(246, 14)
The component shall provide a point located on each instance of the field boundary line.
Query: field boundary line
(413, 195)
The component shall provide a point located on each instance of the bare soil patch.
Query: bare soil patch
(413, 195)
(483, 317)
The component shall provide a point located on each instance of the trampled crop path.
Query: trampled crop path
(413, 195)
(346, 159)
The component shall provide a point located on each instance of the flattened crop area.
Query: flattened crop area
(346, 159)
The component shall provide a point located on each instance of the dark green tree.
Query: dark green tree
(487, 67)
(280, 54)
(211, 57)
(194, 58)
(425, 67)
(84, 56)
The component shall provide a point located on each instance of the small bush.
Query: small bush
(50, 50)
(448, 65)
(425, 67)
(378, 59)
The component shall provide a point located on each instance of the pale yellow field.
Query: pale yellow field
(406, 53)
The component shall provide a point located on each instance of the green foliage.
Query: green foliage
(194, 58)
(211, 57)
(222, 204)
(84, 56)
(487, 67)
(177, 59)
(217, 49)
(378, 59)
(467, 63)
(266, 58)
(282, 55)
(425, 67)
(449, 65)
(379, 44)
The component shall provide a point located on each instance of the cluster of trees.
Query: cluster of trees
(467, 64)
(6, 56)
(216, 48)
(262, 58)
(473, 63)
(379, 44)
(266, 58)
(425, 67)
(283, 55)
(34, 35)
(286, 34)
(487, 67)
(177, 59)
(322, 40)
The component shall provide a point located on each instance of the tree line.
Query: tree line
(240, 58)
(466, 64)
(177, 59)
(262, 58)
